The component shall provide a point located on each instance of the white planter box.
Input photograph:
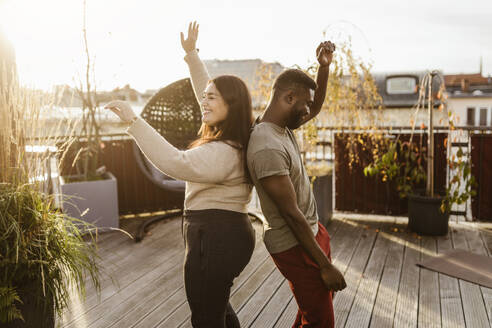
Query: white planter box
(99, 197)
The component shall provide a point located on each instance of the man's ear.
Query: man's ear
(290, 97)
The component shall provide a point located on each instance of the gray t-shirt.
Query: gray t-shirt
(273, 150)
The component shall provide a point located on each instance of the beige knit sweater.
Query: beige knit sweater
(214, 172)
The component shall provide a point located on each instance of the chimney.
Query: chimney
(465, 85)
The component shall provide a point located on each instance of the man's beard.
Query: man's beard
(295, 120)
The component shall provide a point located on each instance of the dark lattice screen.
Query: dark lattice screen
(174, 113)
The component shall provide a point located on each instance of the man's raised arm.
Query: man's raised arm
(324, 55)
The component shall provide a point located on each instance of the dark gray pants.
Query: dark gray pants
(219, 244)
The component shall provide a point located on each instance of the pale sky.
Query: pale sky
(137, 42)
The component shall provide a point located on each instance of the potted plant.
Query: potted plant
(90, 193)
(42, 253)
(351, 90)
(322, 181)
(43, 256)
(403, 161)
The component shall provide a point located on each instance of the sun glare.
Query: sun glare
(41, 33)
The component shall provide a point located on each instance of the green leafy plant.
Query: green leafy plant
(462, 185)
(351, 91)
(43, 254)
(352, 103)
(8, 301)
(41, 247)
(403, 161)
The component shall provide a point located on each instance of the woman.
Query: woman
(218, 234)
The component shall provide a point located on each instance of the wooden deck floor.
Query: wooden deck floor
(385, 287)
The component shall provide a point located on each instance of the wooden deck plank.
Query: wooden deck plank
(251, 271)
(243, 294)
(171, 280)
(117, 303)
(166, 317)
(150, 300)
(165, 309)
(272, 311)
(164, 296)
(109, 241)
(344, 245)
(108, 247)
(486, 236)
(408, 290)
(182, 314)
(360, 314)
(248, 313)
(270, 314)
(177, 318)
(449, 291)
(343, 301)
(384, 308)
(115, 249)
(136, 264)
(387, 288)
(148, 260)
(287, 318)
(123, 257)
(429, 314)
(477, 246)
(161, 311)
(283, 295)
(471, 295)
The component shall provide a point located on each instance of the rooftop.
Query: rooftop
(468, 85)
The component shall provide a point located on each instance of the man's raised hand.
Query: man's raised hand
(189, 44)
(324, 53)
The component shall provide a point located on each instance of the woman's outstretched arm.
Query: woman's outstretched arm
(209, 163)
(198, 71)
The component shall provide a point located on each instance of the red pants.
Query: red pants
(314, 300)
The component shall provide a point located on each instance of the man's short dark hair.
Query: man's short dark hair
(294, 79)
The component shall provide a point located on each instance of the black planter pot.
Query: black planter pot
(425, 216)
(322, 189)
(37, 313)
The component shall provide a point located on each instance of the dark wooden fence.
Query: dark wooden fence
(481, 157)
(136, 194)
(354, 191)
(369, 195)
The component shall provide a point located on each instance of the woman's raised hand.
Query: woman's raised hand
(189, 44)
(122, 109)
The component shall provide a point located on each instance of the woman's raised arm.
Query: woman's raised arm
(198, 71)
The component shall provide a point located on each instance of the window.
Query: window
(470, 116)
(401, 85)
(483, 116)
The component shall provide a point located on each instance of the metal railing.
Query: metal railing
(136, 194)
(476, 141)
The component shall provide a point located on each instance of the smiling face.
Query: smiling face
(214, 108)
(301, 108)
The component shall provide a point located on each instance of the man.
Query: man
(297, 242)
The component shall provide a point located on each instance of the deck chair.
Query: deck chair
(173, 112)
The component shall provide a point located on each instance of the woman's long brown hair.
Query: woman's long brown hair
(235, 129)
